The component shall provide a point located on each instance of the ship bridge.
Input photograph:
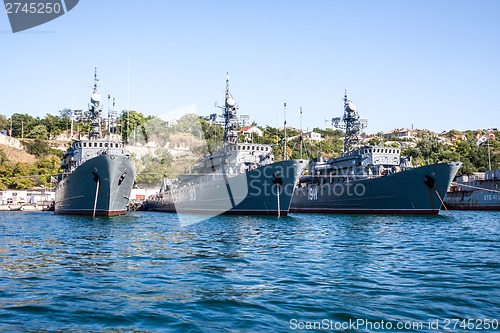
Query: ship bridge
(83, 150)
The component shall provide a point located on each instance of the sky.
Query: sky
(424, 64)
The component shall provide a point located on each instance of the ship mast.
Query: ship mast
(95, 109)
(229, 112)
(351, 124)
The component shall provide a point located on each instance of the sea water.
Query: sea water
(145, 272)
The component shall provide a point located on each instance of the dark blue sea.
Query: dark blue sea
(304, 273)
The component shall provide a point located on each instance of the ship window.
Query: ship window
(253, 148)
(100, 144)
(85, 144)
(106, 145)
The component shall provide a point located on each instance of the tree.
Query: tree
(133, 126)
(45, 167)
(22, 124)
(53, 125)
(4, 124)
(18, 176)
(151, 169)
(39, 132)
(157, 130)
(38, 147)
(189, 123)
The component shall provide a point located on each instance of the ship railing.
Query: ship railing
(347, 177)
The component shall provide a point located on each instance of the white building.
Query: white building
(249, 130)
(313, 136)
(401, 133)
(18, 197)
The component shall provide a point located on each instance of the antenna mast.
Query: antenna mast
(284, 123)
(230, 120)
(95, 109)
(301, 135)
(351, 123)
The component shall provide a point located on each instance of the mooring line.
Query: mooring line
(442, 202)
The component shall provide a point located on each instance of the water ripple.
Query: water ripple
(144, 272)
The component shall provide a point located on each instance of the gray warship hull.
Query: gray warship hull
(415, 191)
(107, 177)
(261, 191)
(475, 199)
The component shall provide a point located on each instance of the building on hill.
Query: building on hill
(401, 133)
(249, 130)
(447, 138)
(310, 135)
(313, 136)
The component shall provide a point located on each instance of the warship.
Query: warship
(480, 191)
(98, 173)
(370, 179)
(237, 178)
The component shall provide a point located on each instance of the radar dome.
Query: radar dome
(231, 102)
(351, 106)
(95, 98)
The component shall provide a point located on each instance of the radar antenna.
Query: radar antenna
(351, 123)
(229, 113)
(95, 109)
